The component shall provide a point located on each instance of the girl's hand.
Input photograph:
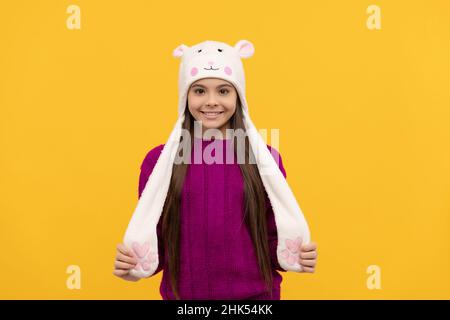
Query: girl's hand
(125, 261)
(308, 257)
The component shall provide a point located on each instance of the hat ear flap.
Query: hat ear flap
(245, 48)
(180, 50)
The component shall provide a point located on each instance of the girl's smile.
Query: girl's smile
(211, 115)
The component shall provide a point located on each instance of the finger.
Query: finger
(309, 247)
(308, 269)
(120, 273)
(308, 255)
(123, 265)
(308, 263)
(124, 258)
(124, 250)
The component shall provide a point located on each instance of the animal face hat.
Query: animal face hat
(212, 59)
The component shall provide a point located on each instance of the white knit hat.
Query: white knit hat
(212, 59)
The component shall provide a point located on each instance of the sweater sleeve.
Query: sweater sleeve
(146, 169)
(271, 225)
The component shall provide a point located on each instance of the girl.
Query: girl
(217, 235)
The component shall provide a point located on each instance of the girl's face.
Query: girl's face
(213, 102)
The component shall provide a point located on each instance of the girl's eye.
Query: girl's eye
(196, 90)
(199, 50)
(220, 50)
(221, 90)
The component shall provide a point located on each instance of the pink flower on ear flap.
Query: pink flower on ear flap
(291, 254)
(144, 260)
(139, 250)
(244, 48)
(294, 245)
(180, 50)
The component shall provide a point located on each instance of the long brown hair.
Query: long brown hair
(255, 206)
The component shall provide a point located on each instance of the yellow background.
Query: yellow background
(364, 120)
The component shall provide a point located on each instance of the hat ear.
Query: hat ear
(180, 50)
(245, 48)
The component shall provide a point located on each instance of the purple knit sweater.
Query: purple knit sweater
(217, 256)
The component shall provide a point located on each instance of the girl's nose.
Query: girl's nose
(211, 63)
(211, 102)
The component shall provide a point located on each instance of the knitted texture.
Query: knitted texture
(217, 256)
